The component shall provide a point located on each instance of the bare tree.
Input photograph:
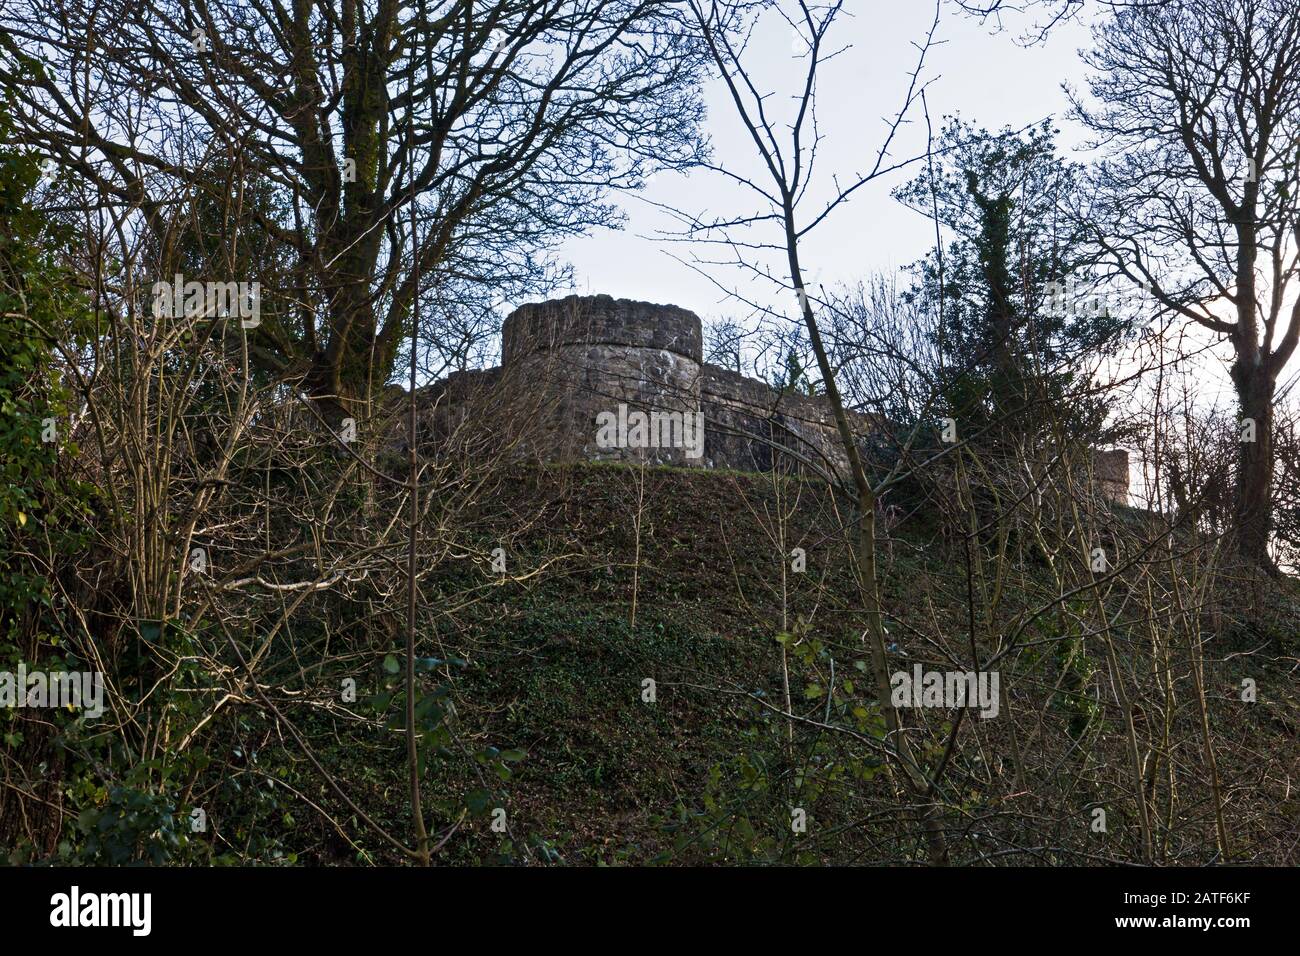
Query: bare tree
(503, 123)
(787, 152)
(1198, 105)
(724, 343)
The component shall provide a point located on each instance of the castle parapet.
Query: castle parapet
(624, 377)
(594, 377)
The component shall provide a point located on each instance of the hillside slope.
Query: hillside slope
(551, 671)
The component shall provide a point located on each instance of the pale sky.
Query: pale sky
(985, 76)
(989, 79)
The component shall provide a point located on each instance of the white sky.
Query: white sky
(989, 79)
(986, 77)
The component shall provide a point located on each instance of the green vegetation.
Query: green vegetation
(539, 707)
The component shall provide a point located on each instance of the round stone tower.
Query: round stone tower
(621, 379)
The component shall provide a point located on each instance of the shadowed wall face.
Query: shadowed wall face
(594, 367)
(624, 376)
(595, 354)
(1110, 469)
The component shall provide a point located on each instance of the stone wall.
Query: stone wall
(748, 423)
(1110, 471)
(594, 354)
(570, 364)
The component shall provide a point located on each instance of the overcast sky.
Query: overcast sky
(985, 77)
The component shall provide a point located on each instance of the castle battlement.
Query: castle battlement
(582, 361)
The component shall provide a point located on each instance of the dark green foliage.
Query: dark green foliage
(44, 509)
(1010, 357)
(1074, 698)
(38, 307)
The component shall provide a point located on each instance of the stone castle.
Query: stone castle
(569, 365)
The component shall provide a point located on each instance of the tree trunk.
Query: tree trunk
(354, 366)
(1254, 500)
(866, 572)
